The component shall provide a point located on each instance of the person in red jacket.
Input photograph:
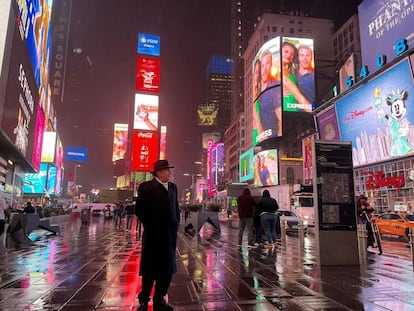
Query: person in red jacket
(245, 207)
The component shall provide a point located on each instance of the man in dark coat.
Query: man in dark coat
(157, 209)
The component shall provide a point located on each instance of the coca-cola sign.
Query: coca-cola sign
(145, 150)
(377, 180)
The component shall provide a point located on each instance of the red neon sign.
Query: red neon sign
(377, 180)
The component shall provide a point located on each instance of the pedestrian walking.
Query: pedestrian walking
(129, 214)
(267, 208)
(157, 209)
(245, 207)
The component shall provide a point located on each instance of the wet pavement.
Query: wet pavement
(95, 267)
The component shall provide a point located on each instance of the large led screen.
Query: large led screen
(76, 154)
(297, 59)
(381, 24)
(38, 139)
(163, 143)
(59, 165)
(246, 165)
(266, 170)
(146, 112)
(328, 124)
(36, 183)
(266, 93)
(147, 75)
(148, 44)
(4, 22)
(217, 164)
(145, 150)
(49, 147)
(51, 180)
(378, 116)
(120, 141)
(34, 27)
(22, 97)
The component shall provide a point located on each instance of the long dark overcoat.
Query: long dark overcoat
(158, 211)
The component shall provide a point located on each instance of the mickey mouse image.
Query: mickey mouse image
(399, 126)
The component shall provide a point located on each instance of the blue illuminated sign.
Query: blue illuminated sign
(76, 154)
(148, 44)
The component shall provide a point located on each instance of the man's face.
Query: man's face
(305, 58)
(164, 175)
(266, 66)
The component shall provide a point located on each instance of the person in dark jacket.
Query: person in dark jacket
(29, 209)
(267, 208)
(157, 209)
(245, 207)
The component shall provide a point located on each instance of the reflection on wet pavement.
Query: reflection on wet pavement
(95, 267)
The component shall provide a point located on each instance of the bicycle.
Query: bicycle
(375, 232)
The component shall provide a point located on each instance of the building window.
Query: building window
(274, 29)
(292, 30)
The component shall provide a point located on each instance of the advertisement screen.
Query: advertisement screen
(49, 147)
(51, 180)
(148, 44)
(266, 171)
(307, 160)
(217, 164)
(246, 165)
(145, 150)
(146, 112)
(208, 139)
(22, 98)
(381, 24)
(34, 27)
(378, 117)
(266, 93)
(59, 167)
(163, 143)
(76, 154)
(328, 125)
(120, 141)
(36, 183)
(4, 21)
(347, 70)
(148, 75)
(298, 68)
(38, 139)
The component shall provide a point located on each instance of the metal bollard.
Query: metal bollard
(411, 233)
(301, 235)
(362, 241)
(283, 230)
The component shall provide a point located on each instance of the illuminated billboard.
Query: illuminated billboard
(145, 150)
(287, 62)
(76, 154)
(120, 141)
(208, 139)
(51, 180)
(38, 139)
(148, 44)
(246, 165)
(146, 112)
(163, 143)
(21, 100)
(347, 70)
(217, 164)
(34, 27)
(328, 124)
(147, 75)
(36, 183)
(298, 79)
(266, 171)
(381, 24)
(49, 147)
(378, 117)
(207, 115)
(59, 165)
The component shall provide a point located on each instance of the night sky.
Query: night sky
(106, 31)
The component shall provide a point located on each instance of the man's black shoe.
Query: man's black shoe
(143, 306)
(162, 305)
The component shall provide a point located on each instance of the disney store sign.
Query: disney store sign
(377, 180)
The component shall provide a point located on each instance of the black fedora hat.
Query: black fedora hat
(161, 165)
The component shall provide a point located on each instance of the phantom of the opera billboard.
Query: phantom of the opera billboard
(377, 117)
(283, 80)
